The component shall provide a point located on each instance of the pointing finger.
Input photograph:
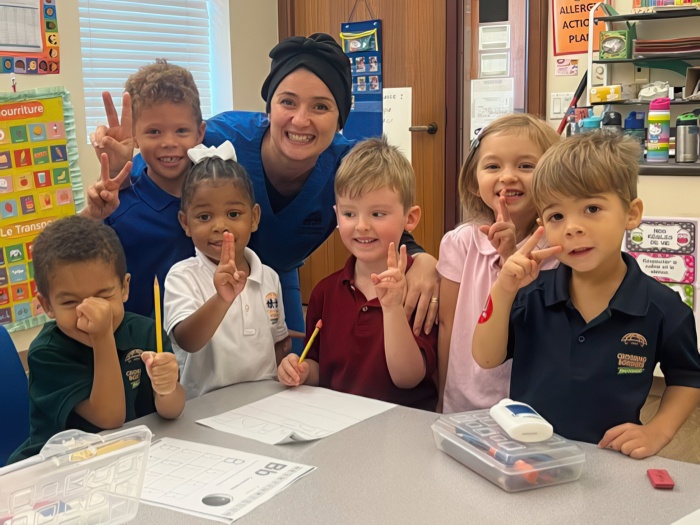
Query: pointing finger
(126, 113)
(503, 209)
(110, 110)
(531, 243)
(402, 259)
(540, 255)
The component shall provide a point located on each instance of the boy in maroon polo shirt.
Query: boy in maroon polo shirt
(366, 346)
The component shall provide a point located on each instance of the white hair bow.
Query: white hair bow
(200, 152)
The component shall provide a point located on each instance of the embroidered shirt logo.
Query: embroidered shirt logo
(272, 305)
(131, 356)
(634, 339)
(134, 375)
(630, 364)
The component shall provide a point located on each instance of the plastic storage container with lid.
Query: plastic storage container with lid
(634, 127)
(78, 478)
(475, 440)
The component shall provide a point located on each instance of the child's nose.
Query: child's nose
(507, 175)
(573, 228)
(362, 223)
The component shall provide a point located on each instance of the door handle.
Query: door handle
(430, 128)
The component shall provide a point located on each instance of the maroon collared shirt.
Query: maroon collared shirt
(350, 347)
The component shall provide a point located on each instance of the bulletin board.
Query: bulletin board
(39, 182)
(29, 42)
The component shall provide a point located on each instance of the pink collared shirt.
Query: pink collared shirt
(467, 257)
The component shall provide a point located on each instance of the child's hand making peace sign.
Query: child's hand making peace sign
(523, 266)
(228, 280)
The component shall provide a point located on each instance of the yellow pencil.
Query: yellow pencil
(159, 326)
(311, 340)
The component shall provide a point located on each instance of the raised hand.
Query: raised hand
(116, 138)
(228, 281)
(523, 266)
(94, 317)
(502, 232)
(390, 285)
(103, 196)
(163, 370)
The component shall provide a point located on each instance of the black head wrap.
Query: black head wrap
(321, 55)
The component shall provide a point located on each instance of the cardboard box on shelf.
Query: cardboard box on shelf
(692, 83)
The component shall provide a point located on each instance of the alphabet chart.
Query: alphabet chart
(38, 176)
(213, 482)
(303, 413)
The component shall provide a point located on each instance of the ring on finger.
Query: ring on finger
(433, 299)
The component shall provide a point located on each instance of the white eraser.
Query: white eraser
(521, 422)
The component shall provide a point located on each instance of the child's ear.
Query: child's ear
(46, 305)
(182, 217)
(337, 218)
(412, 218)
(539, 221)
(125, 287)
(256, 218)
(201, 131)
(634, 214)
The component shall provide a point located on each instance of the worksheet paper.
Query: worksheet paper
(213, 482)
(303, 413)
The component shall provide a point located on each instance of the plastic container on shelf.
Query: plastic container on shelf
(589, 124)
(78, 478)
(475, 440)
(612, 122)
(659, 130)
(687, 138)
(634, 127)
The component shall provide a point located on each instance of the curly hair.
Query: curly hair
(163, 82)
(72, 240)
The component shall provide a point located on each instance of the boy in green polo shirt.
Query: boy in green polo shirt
(88, 368)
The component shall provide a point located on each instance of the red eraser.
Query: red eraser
(660, 479)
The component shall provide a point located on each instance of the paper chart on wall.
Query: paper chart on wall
(213, 482)
(304, 413)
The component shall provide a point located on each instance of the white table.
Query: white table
(387, 470)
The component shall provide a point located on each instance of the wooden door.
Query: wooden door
(414, 55)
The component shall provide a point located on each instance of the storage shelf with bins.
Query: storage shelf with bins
(645, 168)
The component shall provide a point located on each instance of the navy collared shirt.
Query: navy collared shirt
(586, 378)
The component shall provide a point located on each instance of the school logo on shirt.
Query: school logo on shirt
(134, 375)
(272, 305)
(634, 339)
(630, 364)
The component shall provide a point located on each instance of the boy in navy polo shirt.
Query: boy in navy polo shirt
(366, 346)
(167, 122)
(89, 367)
(585, 337)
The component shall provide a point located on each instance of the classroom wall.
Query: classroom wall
(253, 28)
(662, 195)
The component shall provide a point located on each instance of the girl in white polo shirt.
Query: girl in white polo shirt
(223, 307)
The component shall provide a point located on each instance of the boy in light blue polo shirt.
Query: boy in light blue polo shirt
(585, 338)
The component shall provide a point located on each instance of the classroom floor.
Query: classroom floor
(686, 445)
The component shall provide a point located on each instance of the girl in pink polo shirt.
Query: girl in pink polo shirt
(494, 188)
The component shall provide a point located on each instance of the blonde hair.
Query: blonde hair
(374, 164)
(586, 165)
(521, 124)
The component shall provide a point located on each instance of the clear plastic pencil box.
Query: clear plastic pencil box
(78, 478)
(475, 440)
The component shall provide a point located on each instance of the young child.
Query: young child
(89, 368)
(167, 121)
(366, 346)
(585, 337)
(223, 307)
(494, 188)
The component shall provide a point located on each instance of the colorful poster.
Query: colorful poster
(570, 20)
(38, 169)
(29, 42)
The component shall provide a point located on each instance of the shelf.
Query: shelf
(675, 56)
(680, 13)
(669, 168)
(645, 103)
